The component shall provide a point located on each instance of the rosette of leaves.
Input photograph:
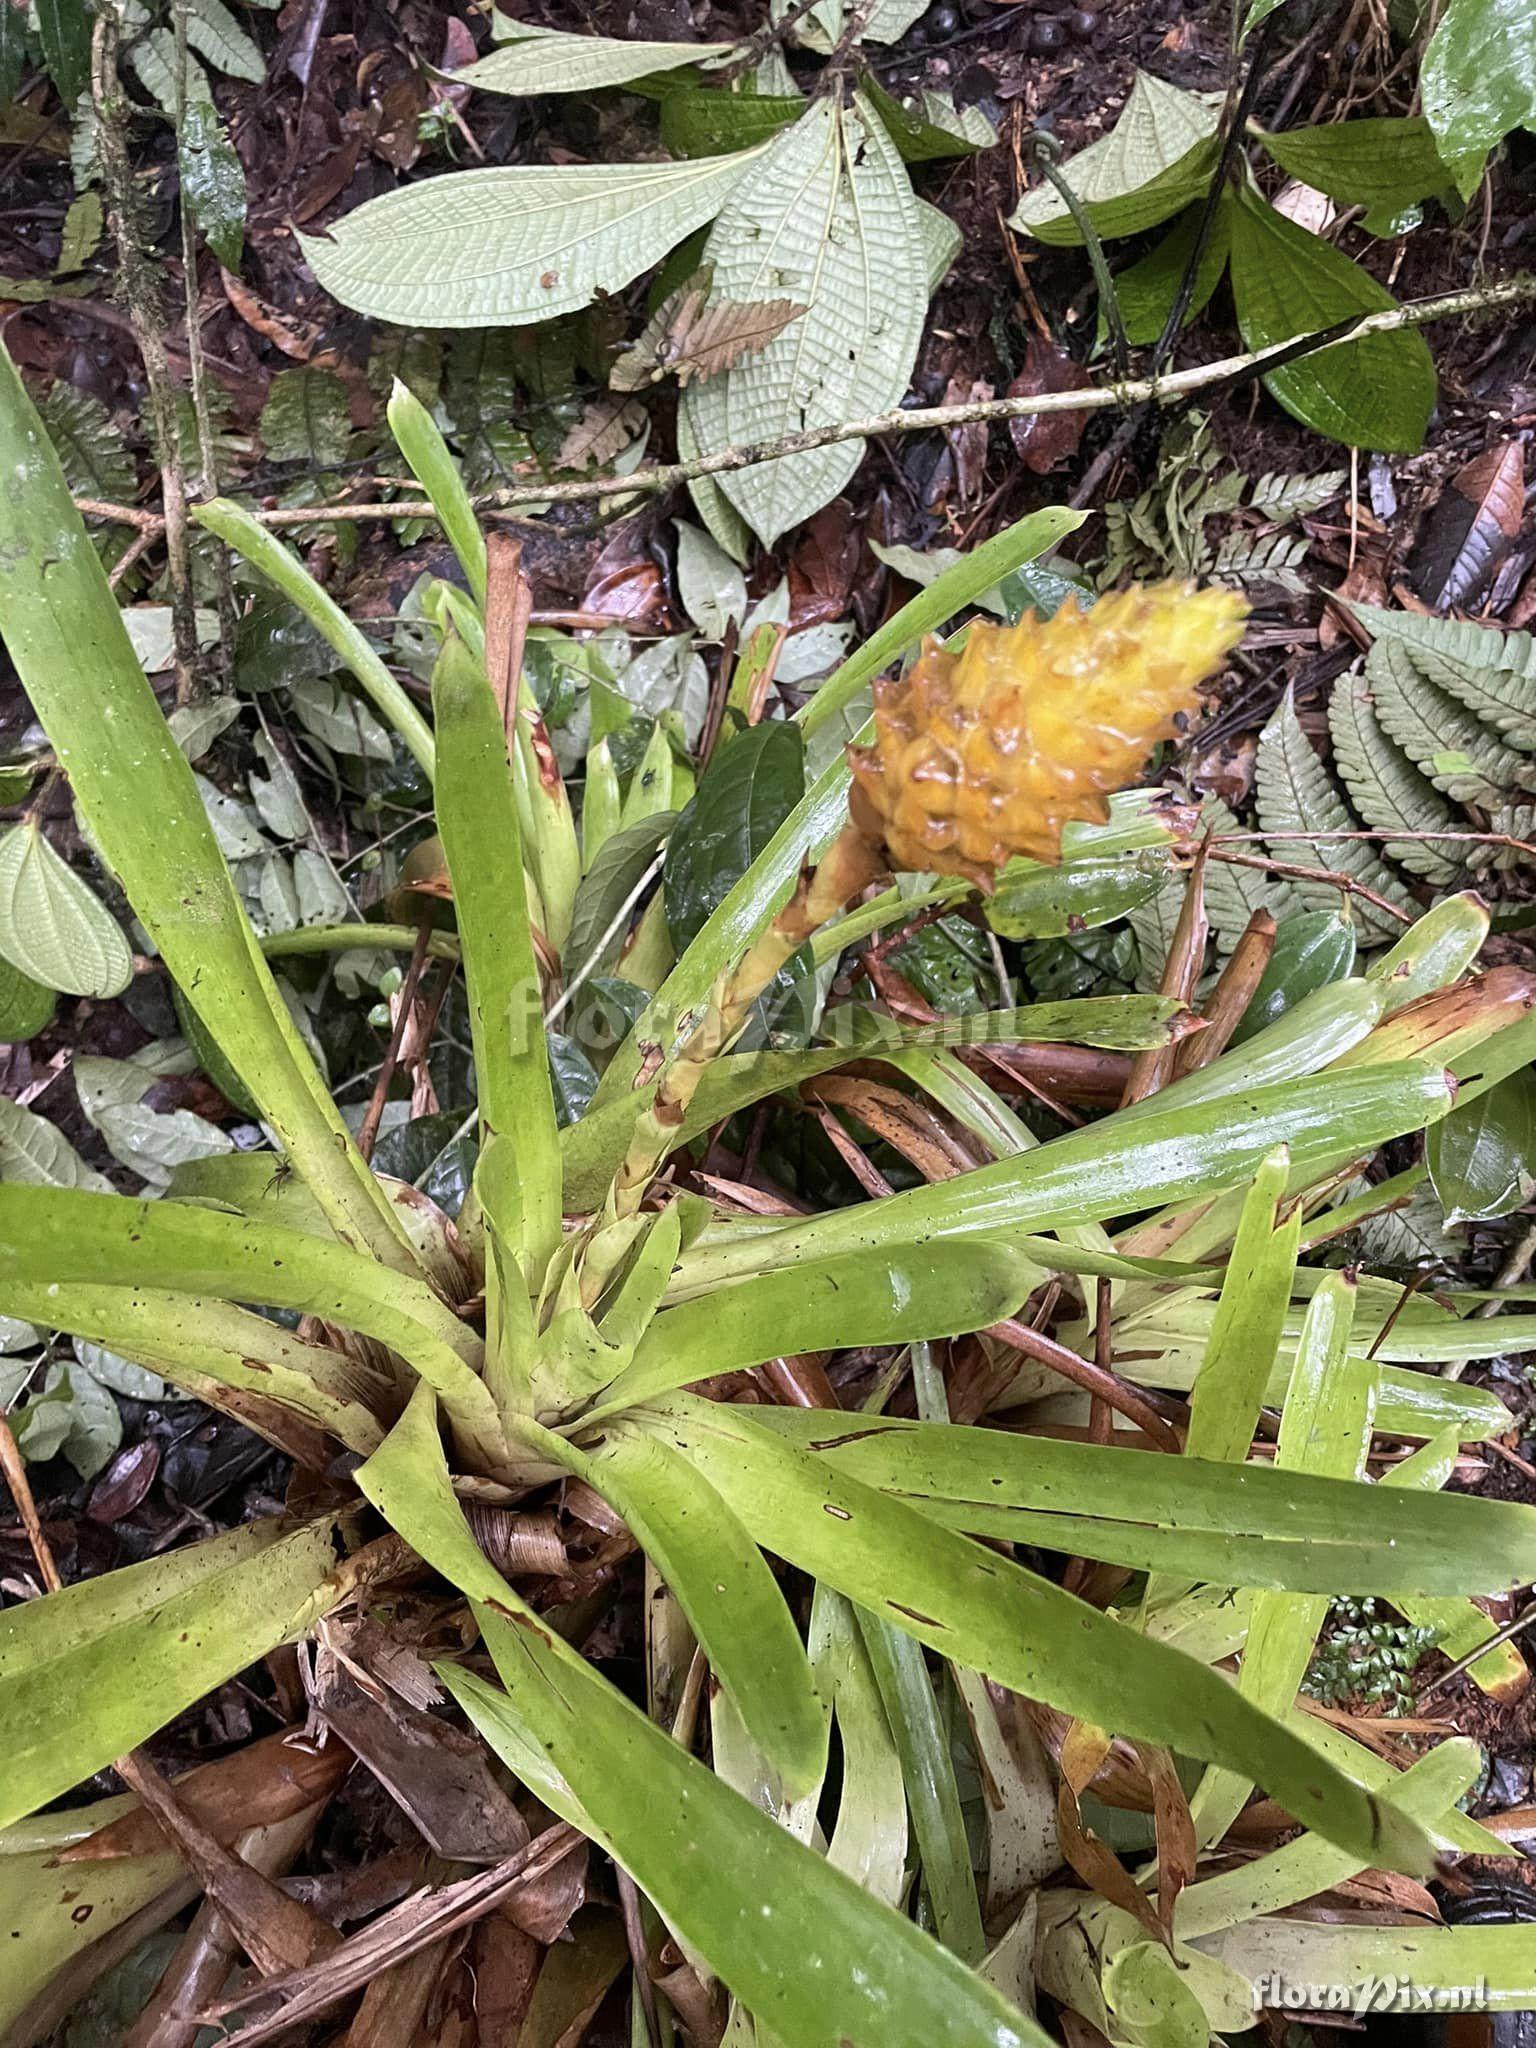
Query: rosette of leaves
(1156, 166)
(818, 266)
(510, 1354)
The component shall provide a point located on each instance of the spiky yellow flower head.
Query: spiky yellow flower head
(987, 753)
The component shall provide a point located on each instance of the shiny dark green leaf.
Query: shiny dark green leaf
(1482, 1158)
(1311, 949)
(746, 794)
(212, 181)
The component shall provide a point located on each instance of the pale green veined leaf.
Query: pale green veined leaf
(546, 60)
(508, 247)
(34, 1153)
(1158, 157)
(52, 926)
(128, 1651)
(828, 219)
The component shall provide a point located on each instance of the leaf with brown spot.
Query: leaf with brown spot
(686, 337)
(1471, 528)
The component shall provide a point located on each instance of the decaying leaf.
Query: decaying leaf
(1471, 527)
(686, 337)
(605, 427)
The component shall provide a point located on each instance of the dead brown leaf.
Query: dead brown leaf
(605, 428)
(1045, 440)
(266, 1782)
(686, 337)
(1471, 528)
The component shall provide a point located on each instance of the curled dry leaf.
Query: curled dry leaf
(686, 337)
(1471, 528)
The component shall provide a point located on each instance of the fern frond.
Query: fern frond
(1297, 794)
(1411, 1235)
(1233, 894)
(1386, 789)
(1459, 754)
(1457, 640)
(1501, 697)
(1281, 497)
(1519, 822)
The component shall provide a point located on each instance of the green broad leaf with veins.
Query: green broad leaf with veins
(52, 926)
(531, 60)
(513, 247)
(212, 181)
(1388, 162)
(699, 121)
(1147, 288)
(746, 794)
(1482, 1158)
(928, 127)
(1478, 81)
(26, 1007)
(1158, 157)
(305, 419)
(828, 219)
(1373, 393)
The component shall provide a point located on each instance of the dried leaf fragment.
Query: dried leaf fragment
(686, 337)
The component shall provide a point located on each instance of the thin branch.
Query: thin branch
(1169, 390)
(13, 1470)
(1302, 874)
(1469, 838)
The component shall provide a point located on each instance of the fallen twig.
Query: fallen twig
(1168, 390)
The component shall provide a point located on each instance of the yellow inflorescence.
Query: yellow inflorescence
(987, 753)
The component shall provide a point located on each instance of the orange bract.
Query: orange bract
(987, 753)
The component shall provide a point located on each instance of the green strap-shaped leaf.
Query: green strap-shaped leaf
(1223, 1521)
(53, 1235)
(1325, 1427)
(420, 441)
(477, 817)
(727, 1592)
(54, 928)
(264, 551)
(826, 1966)
(828, 219)
(969, 1604)
(1250, 1316)
(507, 248)
(65, 634)
(1374, 393)
(830, 1305)
(208, 1346)
(1112, 1169)
(87, 1673)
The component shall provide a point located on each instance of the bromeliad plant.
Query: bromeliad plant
(555, 1334)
